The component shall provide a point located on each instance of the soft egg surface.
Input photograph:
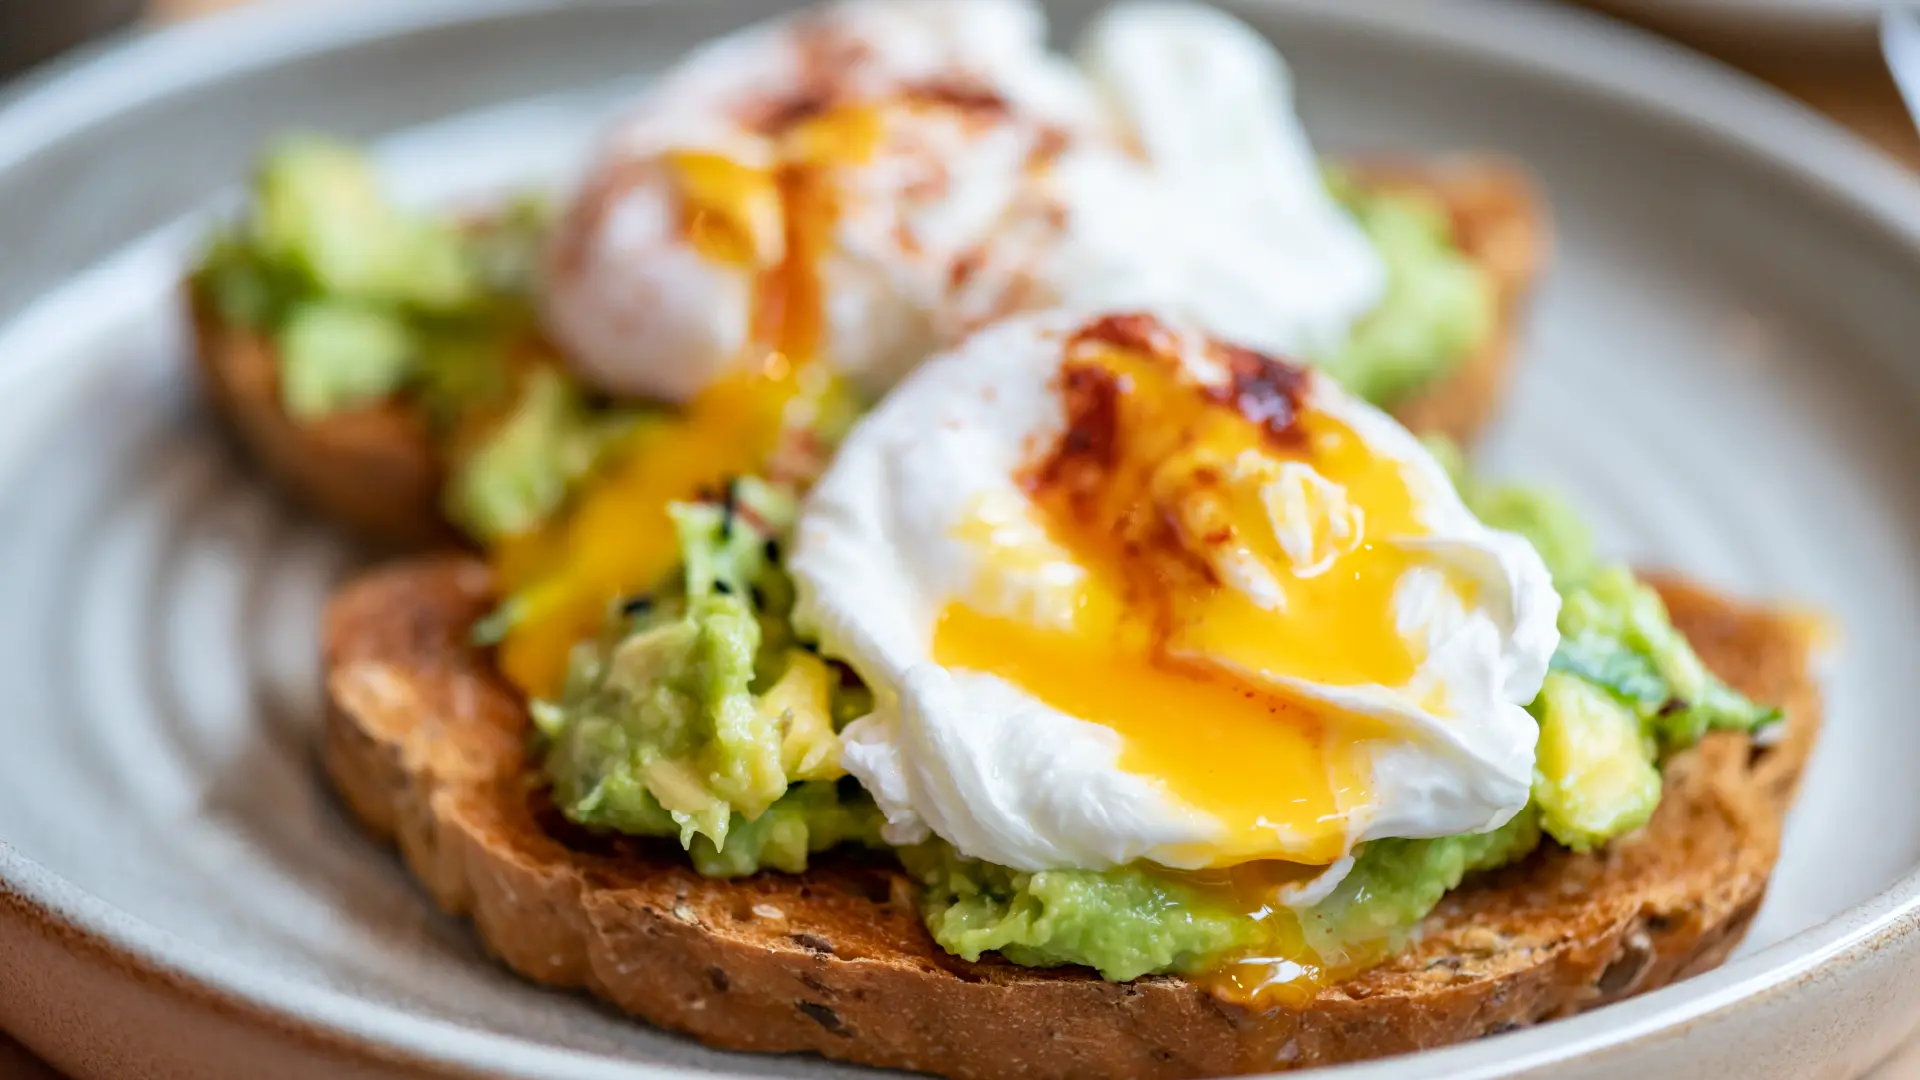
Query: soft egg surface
(1127, 592)
(827, 198)
(771, 220)
(943, 170)
(841, 160)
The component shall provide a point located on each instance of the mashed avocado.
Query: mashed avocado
(531, 458)
(1139, 920)
(698, 717)
(365, 300)
(1438, 307)
(1626, 688)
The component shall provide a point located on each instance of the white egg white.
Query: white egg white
(1264, 254)
(1177, 176)
(934, 186)
(880, 551)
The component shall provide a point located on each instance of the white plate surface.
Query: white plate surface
(1722, 373)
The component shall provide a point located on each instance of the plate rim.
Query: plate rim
(1580, 49)
(1762, 14)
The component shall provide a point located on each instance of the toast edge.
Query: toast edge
(706, 958)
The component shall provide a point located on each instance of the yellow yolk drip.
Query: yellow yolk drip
(617, 540)
(1182, 664)
(730, 212)
(1219, 556)
(1284, 967)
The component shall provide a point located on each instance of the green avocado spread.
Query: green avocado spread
(1625, 689)
(1439, 304)
(701, 718)
(367, 301)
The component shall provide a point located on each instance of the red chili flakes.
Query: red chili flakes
(961, 92)
(905, 239)
(1265, 390)
(826, 57)
(1090, 446)
(771, 116)
(965, 266)
(1134, 331)
(1051, 142)
(931, 181)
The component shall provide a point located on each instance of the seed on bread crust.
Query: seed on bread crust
(426, 745)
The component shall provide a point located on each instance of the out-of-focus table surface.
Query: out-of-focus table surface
(1848, 84)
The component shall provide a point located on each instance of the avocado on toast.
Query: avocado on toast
(379, 466)
(429, 747)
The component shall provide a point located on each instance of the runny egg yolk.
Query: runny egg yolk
(1286, 965)
(1226, 537)
(617, 539)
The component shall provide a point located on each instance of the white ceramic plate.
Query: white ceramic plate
(1783, 27)
(1722, 371)
(1827, 12)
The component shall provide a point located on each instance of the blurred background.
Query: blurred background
(1827, 53)
(1824, 52)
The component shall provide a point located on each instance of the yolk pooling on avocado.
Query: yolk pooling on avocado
(617, 539)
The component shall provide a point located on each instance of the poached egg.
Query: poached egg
(871, 180)
(805, 186)
(830, 197)
(1125, 591)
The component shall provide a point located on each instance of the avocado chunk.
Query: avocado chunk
(1595, 775)
(811, 817)
(1439, 304)
(321, 257)
(529, 461)
(666, 720)
(1125, 922)
(318, 206)
(1616, 632)
(1142, 919)
(1626, 688)
(698, 717)
(1396, 882)
(339, 356)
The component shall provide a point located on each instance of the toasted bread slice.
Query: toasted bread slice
(376, 470)
(428, 747)
(1499, 223)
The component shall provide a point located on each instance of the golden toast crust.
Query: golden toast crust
(428, 748)
(374, 470)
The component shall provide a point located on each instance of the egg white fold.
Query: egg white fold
(880, 551)
(1165, 168)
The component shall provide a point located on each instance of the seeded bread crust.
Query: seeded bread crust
(376, 471)
(427, 746)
